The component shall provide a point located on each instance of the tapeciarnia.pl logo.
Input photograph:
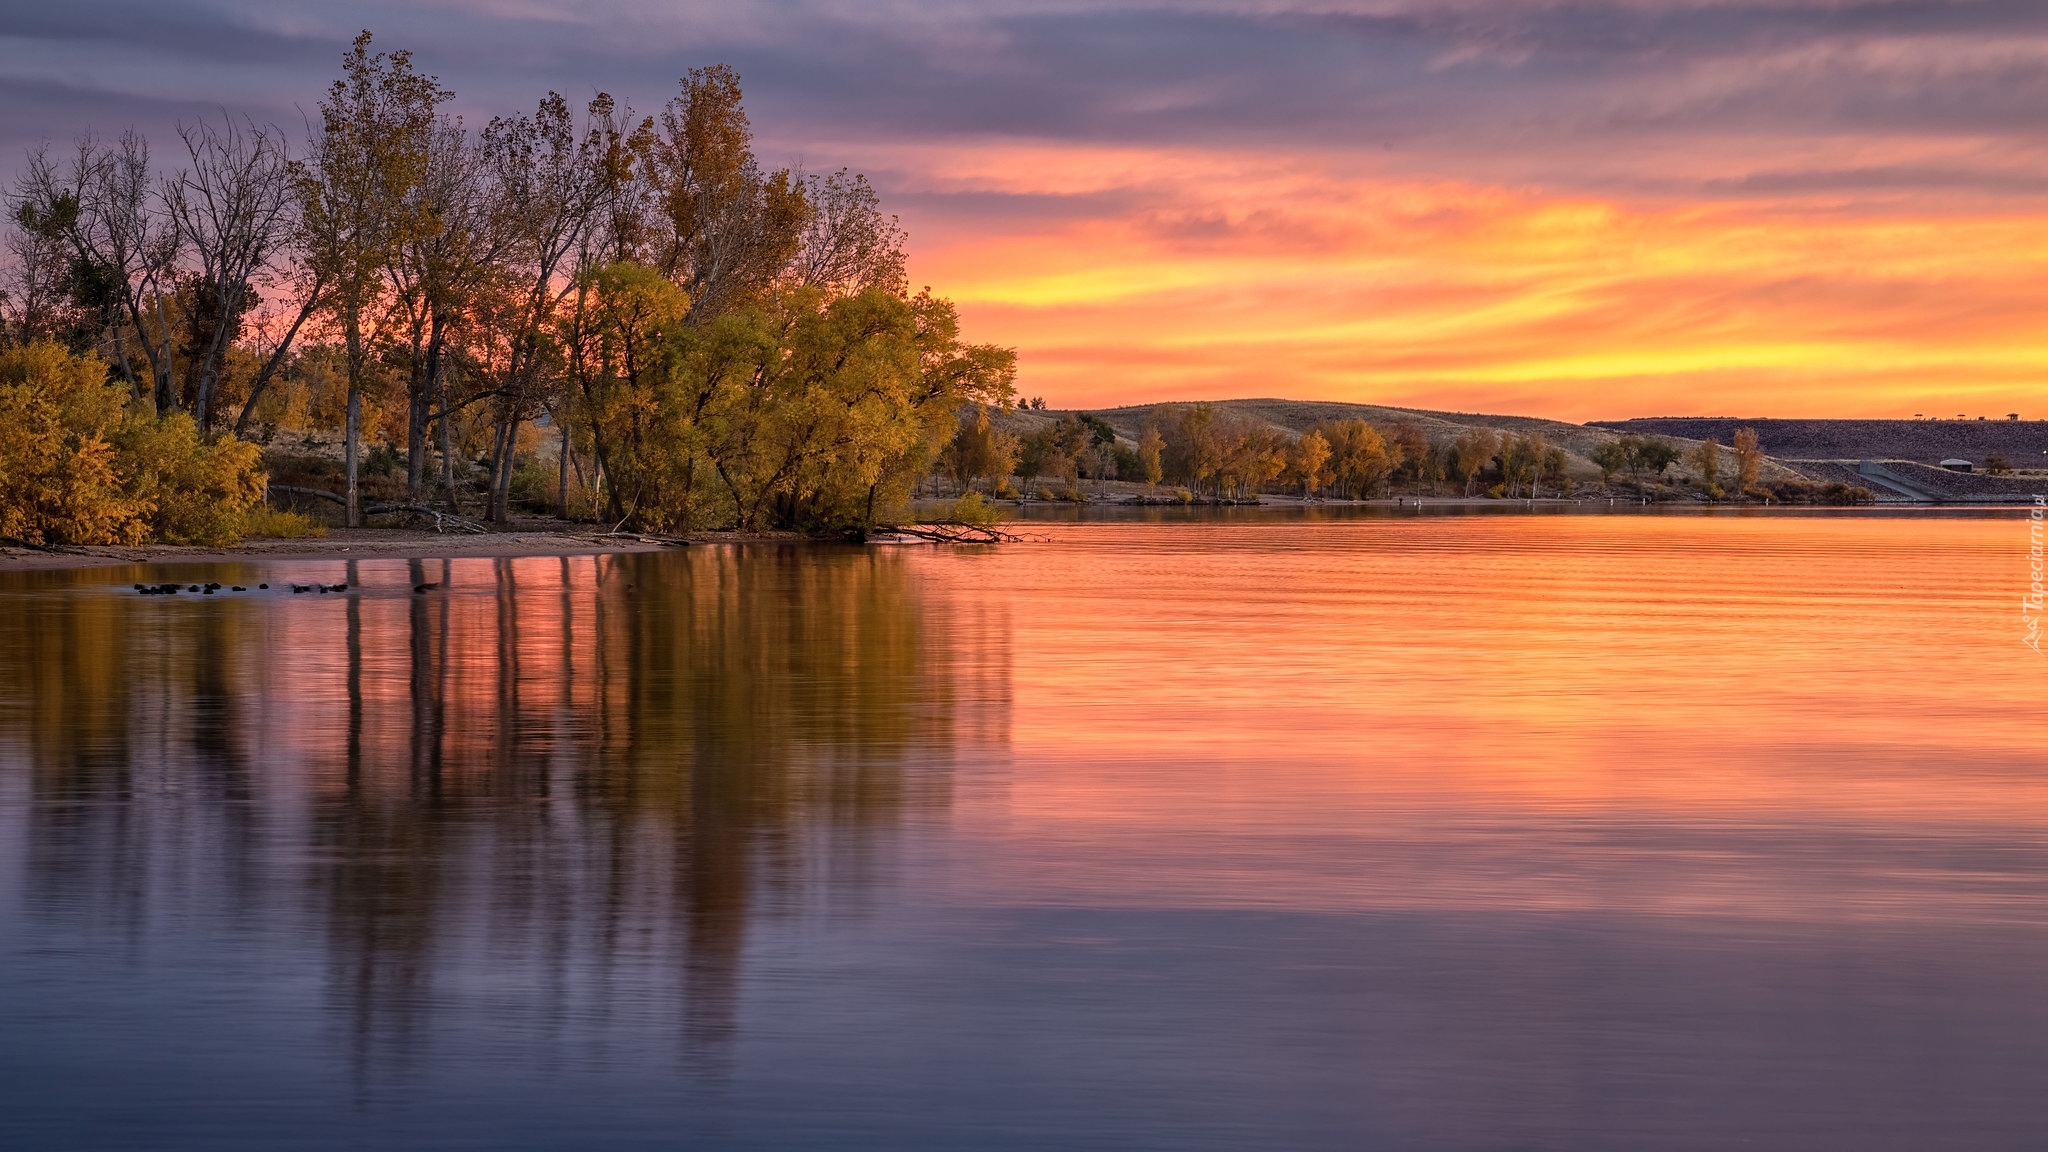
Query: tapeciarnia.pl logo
(2030, 608)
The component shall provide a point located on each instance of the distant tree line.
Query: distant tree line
(1214, 453)
(705, 342)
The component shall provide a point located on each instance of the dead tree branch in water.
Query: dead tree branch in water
(641, 537)
(954, 532)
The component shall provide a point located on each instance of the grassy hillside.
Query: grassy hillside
(1297, 416)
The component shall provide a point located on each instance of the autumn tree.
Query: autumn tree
(1406, 449)
(1653, 455)
(1749, 459)
(1707, 458)
(81, 465)
(554, 188)
(979, 449)
(1308, 464)
(106, 209)
(1611, 457)
(1150, 443)
(1555, 468)
(714, 222)
(1360, 456)
(356, 196)
(1470, 454)
(1520, 459)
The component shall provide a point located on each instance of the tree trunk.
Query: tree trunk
(562, 465)
(121, 358)
(276, 361)
(448, 451)
(352, 516)
(501, 444)
(160, 363)
(421, 406)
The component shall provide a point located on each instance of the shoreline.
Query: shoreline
(358, 544)
(584, 540)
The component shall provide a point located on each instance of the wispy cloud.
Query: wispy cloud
(1587, 208)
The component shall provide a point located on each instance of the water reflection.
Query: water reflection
(555, 775)
(1576, 832)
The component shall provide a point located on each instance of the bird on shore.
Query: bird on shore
(298, 588)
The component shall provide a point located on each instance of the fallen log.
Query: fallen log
(321, 493)
(443, 521)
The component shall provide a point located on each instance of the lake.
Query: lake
(1253, 831)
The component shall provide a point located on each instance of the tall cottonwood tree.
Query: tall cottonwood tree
(555, 188)
(438, 272)
(712, 221)
(357, 205)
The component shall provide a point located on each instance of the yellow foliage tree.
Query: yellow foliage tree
(807, 412)
(1749, 459)
(1310, 462)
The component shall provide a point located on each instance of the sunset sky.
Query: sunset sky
(1581, 210)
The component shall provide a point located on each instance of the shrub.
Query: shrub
(59, 478)
(263, 520)
(76, 467)
(971, 508)
(534, 487)
(1497, 492)
(383, 459)
(199, 491)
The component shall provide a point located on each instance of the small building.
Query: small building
(1954, 465)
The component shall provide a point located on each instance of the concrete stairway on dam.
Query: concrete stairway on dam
(1911, 489)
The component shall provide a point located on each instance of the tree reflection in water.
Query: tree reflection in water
(554, 790)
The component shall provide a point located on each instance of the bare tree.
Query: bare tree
(231, 208)
(124, 245)
(35, 296)
(847, 245)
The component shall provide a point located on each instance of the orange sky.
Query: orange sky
(1248, 273)
(1599, 208)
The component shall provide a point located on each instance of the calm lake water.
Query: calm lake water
(1255, 832)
